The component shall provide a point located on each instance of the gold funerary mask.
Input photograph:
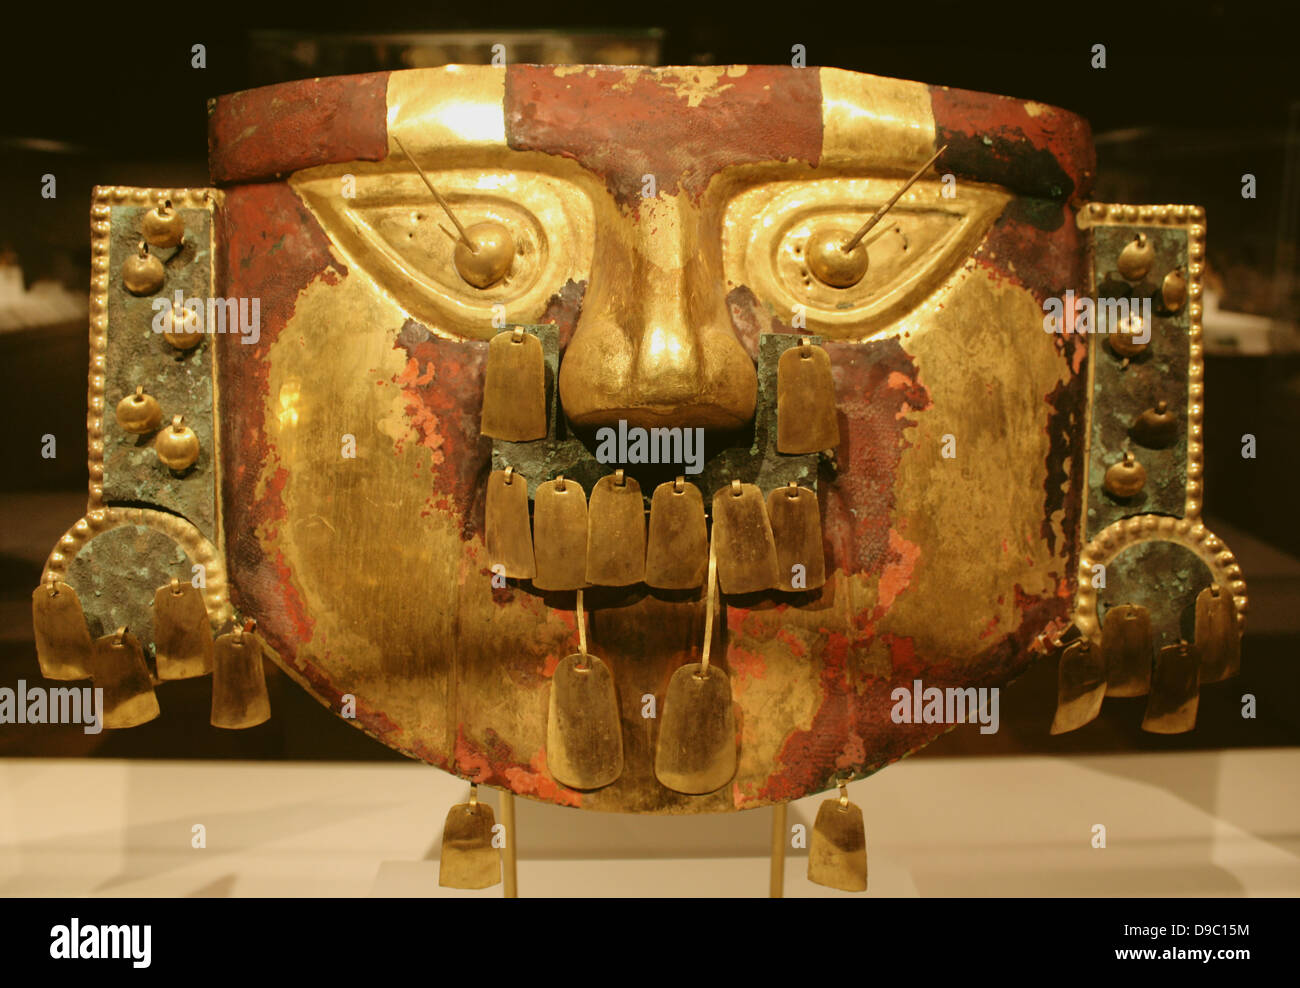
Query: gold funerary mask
(640, 272)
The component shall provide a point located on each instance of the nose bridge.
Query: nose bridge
(668, 364)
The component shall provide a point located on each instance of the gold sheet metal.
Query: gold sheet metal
(1081, 686)
(616, 532)
(1175, 691)
(560, 535)
(697, 738)
(806, 416)
(119, 669)
(507, 532)
(181, 631)
(63, 643)
(1128, 650)
(514, 390)
(797, 533)
(677, 551)
(584, 736)
(468, 859)
(743, 537)
(239, 697)
(837, 849)
(1216, 635)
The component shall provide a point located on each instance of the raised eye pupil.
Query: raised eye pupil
(489, 262)
(831, 264)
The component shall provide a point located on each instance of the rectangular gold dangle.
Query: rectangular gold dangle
(508, 534)
(837, 849)
(746, 552)
(677, 551)
(1128, 649)
(63, 645)
(806, 420)
(1216, 634)
(616, 532)
(696, 753)
(468, 859)
(797, 532)
(514, 388)
(1175, 691)
(584, 734)
(239, 697)
(181, 632)
(119, 669)
(560, 535)
(1080, 688)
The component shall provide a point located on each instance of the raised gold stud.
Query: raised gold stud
(142, 273)
(177, 446)
(139, 413)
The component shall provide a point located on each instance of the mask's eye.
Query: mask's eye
(785, 241)
(531, 234)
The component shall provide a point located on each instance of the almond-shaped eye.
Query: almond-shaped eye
(785, 242)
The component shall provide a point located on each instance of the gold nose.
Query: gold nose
(654, 346)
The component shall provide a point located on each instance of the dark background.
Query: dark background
(1193, 96)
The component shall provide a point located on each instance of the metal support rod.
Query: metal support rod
(509, 869)
(777, 888)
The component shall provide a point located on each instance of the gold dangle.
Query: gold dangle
(1175, 690)
(63, 645)
(120, 670)
(677, 550)
(1127, 648)
(514, 388)
(837, 850)
(746, 553)
(696, 752)
(1216, 634)
(584, 734)
(616, 532)
(181, 632)
(507, 533)
(1081, 686)
(806, 420)
(239, 697)
(468, 859)
(797, 533)
(560, 535)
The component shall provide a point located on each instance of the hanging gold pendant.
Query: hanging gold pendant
(1175, 691)
(837, 850)
(119, 669)
(616, 532)
(584, 734)
(743, 540)
(677, 550)
(63, 645)
(696, 753)
(181, 632)
(1128, 650)
(508, 536)
(1081, 686)
(797, 533)
(514, 388)
(239, 697)
(806, 420)
(560, 535)
(468, 859)
(1216, 635)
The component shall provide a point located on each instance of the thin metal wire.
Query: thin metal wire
(880, 213)
(464, 237)
(708, 608)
